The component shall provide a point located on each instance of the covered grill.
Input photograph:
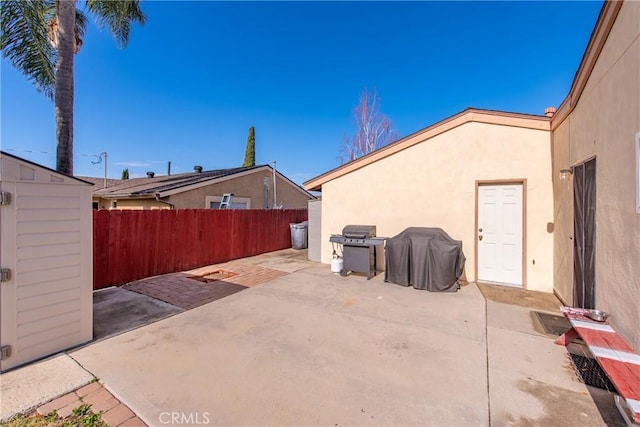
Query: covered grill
(358, 248)
(425, 258)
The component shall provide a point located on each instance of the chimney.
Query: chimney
(168, 168)
(150, 174)
(198, 169)
(549, 111)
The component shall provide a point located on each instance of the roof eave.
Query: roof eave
(469, 115)
(599, 35)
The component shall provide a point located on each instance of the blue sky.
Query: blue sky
(195, 78)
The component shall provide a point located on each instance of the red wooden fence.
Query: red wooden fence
(130, 245)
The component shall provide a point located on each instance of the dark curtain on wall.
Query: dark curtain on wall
(584, 224)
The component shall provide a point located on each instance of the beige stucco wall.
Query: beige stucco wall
(603, 124)
(433, 184)
(133, 204)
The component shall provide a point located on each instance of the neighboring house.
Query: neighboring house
(493, 180)
(252, 188)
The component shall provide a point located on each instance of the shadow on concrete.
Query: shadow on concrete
(604, 399)
(117, 310)
(550, 324)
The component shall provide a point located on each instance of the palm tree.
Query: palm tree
(40, 37)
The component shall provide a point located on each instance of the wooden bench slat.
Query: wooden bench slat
(604, 339)
(617, 359)
(627, 381)
(621, 356)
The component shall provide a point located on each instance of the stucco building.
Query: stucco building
(548, 203)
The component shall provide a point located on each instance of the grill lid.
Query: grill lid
(359, 231)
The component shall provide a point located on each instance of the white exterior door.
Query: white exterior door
(499, 234)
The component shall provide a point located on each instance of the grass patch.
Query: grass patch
(81, 417)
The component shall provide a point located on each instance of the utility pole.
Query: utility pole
(105, 169)
(275, 204)
(265, 192)
(100, 156)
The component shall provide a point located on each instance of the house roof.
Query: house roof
(469, 115)
(166, 185)
(100, 182)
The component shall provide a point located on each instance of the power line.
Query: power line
(48, 152)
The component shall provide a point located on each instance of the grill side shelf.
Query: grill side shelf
(375, 241)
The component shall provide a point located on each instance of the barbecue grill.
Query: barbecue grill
(358, 249)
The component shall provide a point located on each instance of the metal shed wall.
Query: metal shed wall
(315, 231)
(46, 303)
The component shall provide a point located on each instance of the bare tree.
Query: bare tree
(373, 128)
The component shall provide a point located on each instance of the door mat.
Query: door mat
(552, 324)
(590, 372)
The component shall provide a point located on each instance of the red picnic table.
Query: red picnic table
(616, 358)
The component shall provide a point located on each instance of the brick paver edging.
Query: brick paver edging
(114, 412)
(183, 290)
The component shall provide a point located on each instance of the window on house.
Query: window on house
(114, 204)
(95, 205)
(213, 202)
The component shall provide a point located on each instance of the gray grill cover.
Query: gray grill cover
(425, 258)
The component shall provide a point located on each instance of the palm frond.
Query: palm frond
(81, 26)
(117, 15)
(25, 43)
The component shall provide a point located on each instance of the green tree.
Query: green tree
(125, 174)
(40, 38)
(250, 151)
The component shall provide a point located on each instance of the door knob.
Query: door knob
(480, 237)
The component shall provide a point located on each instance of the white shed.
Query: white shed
(46, 259)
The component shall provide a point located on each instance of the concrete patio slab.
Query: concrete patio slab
(514, 318)
(531, 380)
(308, 349)
(288, 260)
(116, 310)
(25, 388)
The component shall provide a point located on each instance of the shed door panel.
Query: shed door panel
(8, 310)
(41, 242)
